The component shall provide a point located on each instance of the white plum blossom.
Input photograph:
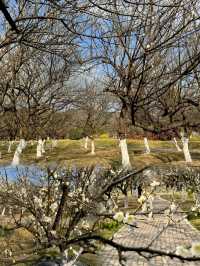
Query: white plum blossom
(85, 225)
(173, 207)
(8, 252)
(79, 190)
(182, 251)
(38, 201)
(23, 192)
(46, 219)
(54, 206)
(129, 218)
(112, 172)
(119, 216)
(87, 200)
(155, 183)
(195, 249)
(148, 46)
(53, 232)
(194, 208)
(140, 7)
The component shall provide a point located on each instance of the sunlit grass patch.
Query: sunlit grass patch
(107, 152)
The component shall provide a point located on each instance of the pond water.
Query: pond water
(13, 172)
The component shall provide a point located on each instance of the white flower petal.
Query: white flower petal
(119, 216)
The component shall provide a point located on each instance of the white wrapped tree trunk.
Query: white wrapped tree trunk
(23, 143)
(176, 144)
(9, 146)
(124, 153)
(86, 143)
(20, 147)
(186, 151)
(3, 211)
(16, 158)
(43, 149)
(39, 148)
(146, 144)
(92, 147)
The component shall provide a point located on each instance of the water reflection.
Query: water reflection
(14, 172)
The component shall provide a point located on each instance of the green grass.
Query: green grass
(72, 152)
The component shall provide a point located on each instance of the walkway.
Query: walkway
(176, 234)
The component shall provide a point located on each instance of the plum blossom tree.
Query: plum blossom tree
(57, 212)
(60, 205)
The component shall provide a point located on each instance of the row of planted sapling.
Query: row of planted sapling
(41, 146)
(40, 149)
(65, 209)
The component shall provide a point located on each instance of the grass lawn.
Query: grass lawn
(71, 152)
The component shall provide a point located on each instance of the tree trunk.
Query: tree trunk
(146, 144)
(176, 144)
(3, 211)
(22, 143)
(92, 147)
(197, 197)
(20, 147)
(60, 208)
(125, 156)
(16, 157)
(186, 151)
(86, 143)
(39, 148)
(43, 150)
(9, 146)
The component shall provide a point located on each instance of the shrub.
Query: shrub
(104, 136)
(110, 225)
